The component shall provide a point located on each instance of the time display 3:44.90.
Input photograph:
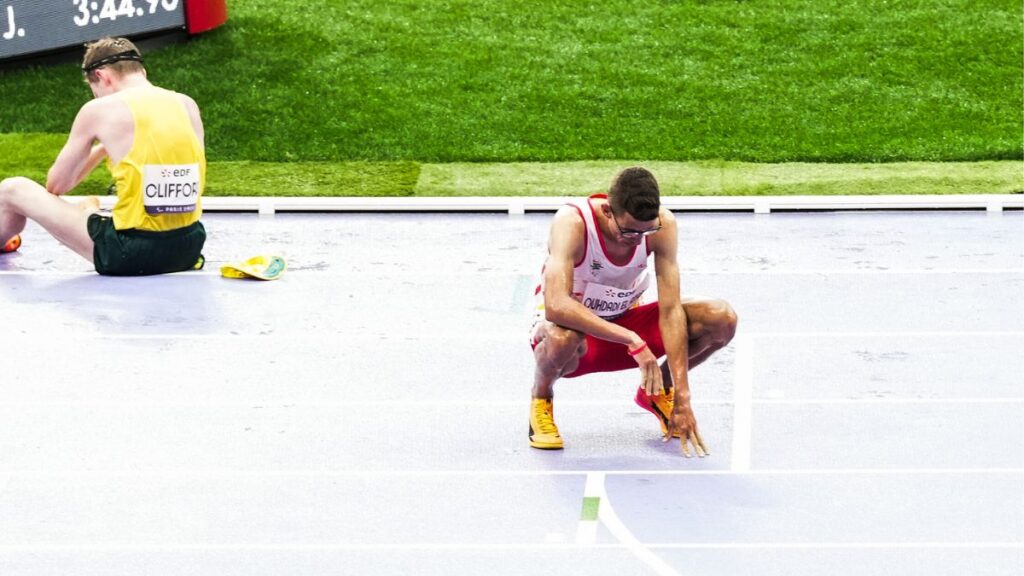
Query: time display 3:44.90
(93, 11)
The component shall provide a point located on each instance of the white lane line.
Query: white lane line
(213, 270)
(316, 404)
(30, 335)
(894, 400)
(365, 336)
(618, 529)
(297, 473)
(743, 406)
(586, 531)
(8, 549)
(867, 272)
(839, 545)
(892, 334)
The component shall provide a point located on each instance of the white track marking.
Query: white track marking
(213, 270)
(272, 403)
(47, 335)
(586, 531)
(606, 514)
(743, 406)
(458, 547)
(298, 473)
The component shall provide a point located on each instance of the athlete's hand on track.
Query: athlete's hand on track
(683, 424)
(650, 372)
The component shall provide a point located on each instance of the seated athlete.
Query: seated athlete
(152, 140)
(589, 316)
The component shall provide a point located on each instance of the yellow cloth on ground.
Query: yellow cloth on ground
(258, 267)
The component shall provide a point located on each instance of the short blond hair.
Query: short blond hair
(107, 47)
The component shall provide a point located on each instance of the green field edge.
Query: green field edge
(30, 155)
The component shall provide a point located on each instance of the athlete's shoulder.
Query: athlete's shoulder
(93, 107)
(666, 239)
(188, 100)
(102, 102)
(103, 109)
(168, 93)
(568, 218)
(190, 106)
(568, 234)
(668, 218)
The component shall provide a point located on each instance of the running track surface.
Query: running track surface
(367, 413)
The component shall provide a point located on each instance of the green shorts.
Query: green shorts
(141, 252)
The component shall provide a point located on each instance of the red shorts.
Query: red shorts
(605, 356)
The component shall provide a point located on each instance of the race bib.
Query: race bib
(170, 188)
(609, 301)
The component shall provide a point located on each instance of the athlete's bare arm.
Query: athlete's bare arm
(566, 246)
(193, 115)
(96, 155)
(674, 333)
(72, 164)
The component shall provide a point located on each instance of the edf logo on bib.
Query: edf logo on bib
(170, 188)
(610, 301)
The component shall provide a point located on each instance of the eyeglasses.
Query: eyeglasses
(630, 233)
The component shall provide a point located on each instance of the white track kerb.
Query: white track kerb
(520, 205)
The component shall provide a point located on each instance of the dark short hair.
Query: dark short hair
(635, 191)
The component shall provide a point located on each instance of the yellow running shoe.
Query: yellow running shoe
(660, 405)
(543, 432)
(12, 244)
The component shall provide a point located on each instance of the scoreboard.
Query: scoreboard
(31, 27)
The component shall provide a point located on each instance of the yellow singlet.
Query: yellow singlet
(160, 181)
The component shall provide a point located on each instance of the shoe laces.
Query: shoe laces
(665, 400)
(545, 421)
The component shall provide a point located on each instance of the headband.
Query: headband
(120, 56)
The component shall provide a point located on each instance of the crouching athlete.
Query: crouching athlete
(590, 317)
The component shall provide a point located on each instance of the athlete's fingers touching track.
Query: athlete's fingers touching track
(684, 424)
(686, 440)
(698, 445)
(702, 447)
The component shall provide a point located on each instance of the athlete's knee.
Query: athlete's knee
(11, 188)
(725, 321)
(563, 342)
(7, 187)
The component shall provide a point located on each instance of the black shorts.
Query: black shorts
(141, 252)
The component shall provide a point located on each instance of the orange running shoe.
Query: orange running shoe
(12, 245)
(660, 405)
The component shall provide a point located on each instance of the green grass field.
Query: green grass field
(366, 97)
(407, 178)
